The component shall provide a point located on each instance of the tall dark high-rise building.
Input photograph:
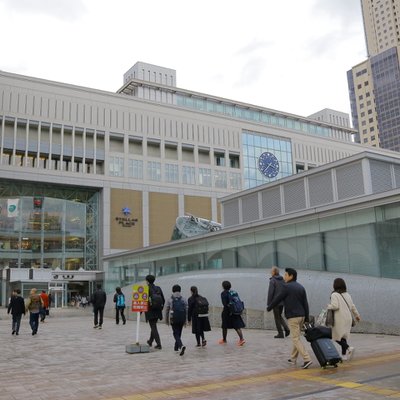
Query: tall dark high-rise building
(374, 84)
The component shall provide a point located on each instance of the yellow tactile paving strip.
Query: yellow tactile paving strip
(314, 375)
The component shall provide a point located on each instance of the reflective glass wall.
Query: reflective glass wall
(254, 144)
(47, 232)
(364, 242)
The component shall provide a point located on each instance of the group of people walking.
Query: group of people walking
(285, 293)
(37, 304)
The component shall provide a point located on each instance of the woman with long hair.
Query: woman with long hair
(344, 310)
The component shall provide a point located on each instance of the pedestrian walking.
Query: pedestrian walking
(34, 304)
(198, 316)
(176, 316)
(276, 283)
(99, 299)
(230, 320)
(344, 313)
(45, 308)
(155, 312)
(119, 300)
(17, 309)
(295, 302)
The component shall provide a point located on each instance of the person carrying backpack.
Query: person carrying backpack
(176, 316)
(119, 300)
(198, 316)
(156, 305)
(231, 313)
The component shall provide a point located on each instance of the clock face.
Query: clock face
(268, 165)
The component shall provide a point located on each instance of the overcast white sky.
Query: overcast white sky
(288, 55)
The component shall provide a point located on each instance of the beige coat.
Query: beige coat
(343, 319)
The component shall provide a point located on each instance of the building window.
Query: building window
(219, 159)
(171, 173)
(188, 175)
(154, 171)
(205, 177)
(135, 169)
(116, 166)
(220, 179)
(234, 161)
(235, 180)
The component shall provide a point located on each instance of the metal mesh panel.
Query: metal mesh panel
(231, 213)
(350, 181)
(271, 202)
(250, 208)
(295, 196)
(320, 189)
(397, 175)
(380, 176)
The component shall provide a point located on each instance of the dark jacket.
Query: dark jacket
(294, 298)
(155, 314)
(275, 288)
(99, 298)
(16, 306)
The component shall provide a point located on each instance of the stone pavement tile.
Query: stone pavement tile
(83, 363)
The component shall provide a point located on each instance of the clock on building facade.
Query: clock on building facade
(268, 165)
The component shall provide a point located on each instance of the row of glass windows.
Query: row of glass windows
(264, 117)
(362, 242)
(254, 145)
(189, 175)
(38, 231)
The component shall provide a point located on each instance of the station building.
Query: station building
(87, 173)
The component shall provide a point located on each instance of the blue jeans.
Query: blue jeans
(34, 321)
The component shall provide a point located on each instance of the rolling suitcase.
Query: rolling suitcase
(326, 352)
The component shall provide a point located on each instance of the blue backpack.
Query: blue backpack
(120, 301)
(235, 305)
(178, 311)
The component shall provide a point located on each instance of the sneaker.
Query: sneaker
(204, 343)
(149, 343)
(100, 327)
(96, 326)
(221, 341)
(182, 351)
(290, 361)
(241, 342)
(350, 353)
(306, 364)
(12, 333)
(198, 345)
(158, 347)
(279, 336)
(344, 357)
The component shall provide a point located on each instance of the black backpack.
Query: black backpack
(178, 311)
(201, 305)
(156, 299)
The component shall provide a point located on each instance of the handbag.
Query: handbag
(330, 318)
(353, 320)
(321, 319)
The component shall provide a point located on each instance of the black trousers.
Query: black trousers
(280, 323)
(118, 311)
(177, 332)
(98, 315)
(154, 336)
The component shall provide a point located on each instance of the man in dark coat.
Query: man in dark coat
(17, 308)
(294, 298)
(98, 300)
(156, 305)
(276, 284)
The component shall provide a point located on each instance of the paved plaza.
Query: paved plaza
(68, 359)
